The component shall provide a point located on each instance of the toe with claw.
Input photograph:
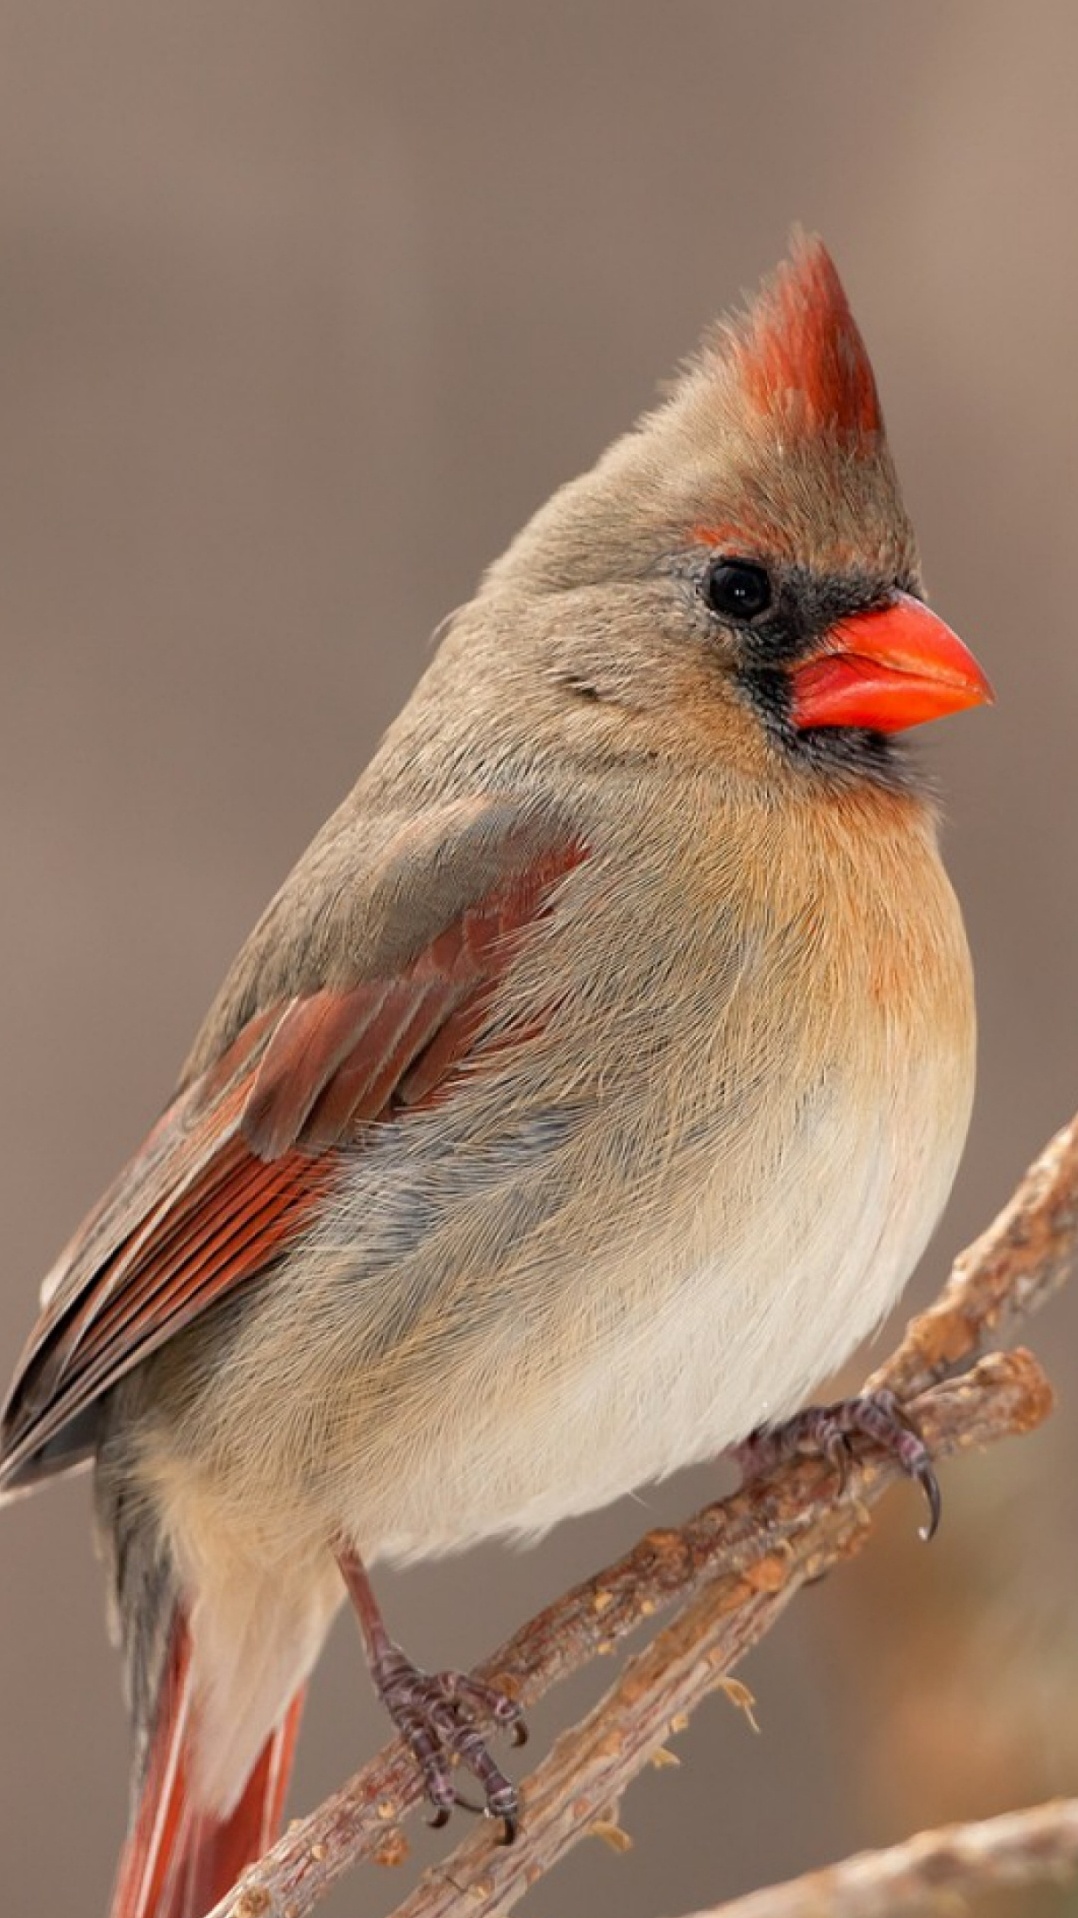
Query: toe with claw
(436, 1713)
(828, 1430)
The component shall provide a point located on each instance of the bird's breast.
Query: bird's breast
(756, 1128)
(666, 1217)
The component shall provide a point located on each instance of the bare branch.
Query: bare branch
(738, 1561)
(929, 1871)
(801, 1537)
(1008, 1273)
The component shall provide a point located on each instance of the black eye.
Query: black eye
(735, 589)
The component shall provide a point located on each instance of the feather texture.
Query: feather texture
(589, 1088)
(227, 1179)
(178, 1861)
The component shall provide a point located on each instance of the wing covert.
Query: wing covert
(231, 1175)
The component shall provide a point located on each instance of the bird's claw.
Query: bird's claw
(828, 1429)
(435, 1712)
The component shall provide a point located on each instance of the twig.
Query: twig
(589, 1767)
(763, 1542)
(1008, 1273)
(927, 1872)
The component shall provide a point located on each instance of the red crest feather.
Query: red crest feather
(800, 356)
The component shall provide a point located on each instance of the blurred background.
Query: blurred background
(302, 311)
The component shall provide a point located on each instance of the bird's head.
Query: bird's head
(739, 570)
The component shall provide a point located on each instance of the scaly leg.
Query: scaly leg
(435, 1711)
(828, 1429)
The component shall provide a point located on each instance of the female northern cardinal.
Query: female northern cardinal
(589, 1089)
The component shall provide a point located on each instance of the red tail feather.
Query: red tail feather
(179, 1861)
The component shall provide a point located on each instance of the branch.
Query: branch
(929, 1871)
(1008, 1273)
(738, 1562)
(802, 1536)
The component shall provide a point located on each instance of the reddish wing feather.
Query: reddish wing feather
(338, 1060)
(230, 1219)
(230, 1176)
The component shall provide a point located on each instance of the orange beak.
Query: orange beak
(887, 669)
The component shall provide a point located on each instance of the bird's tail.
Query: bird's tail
(180, 1860)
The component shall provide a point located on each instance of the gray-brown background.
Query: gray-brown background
(302, 309)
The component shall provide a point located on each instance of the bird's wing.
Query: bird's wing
(252, 1146)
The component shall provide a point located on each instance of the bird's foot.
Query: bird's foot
(827, 1430)
(436, 1713)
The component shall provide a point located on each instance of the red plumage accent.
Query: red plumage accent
(227, 1223)
(800, 356)
(338, 1060)
(230, 1176)
(228, 1215)
(178, 1861)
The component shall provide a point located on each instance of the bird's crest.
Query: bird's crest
(798, 357)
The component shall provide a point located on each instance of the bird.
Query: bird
(587, 1092)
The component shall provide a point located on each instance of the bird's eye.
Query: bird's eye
(735, 589)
